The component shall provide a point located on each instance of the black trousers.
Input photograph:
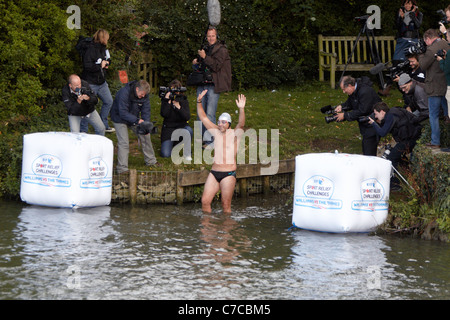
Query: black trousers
(399, 149)
(369, 145)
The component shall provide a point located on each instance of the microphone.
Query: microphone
(213, 7)
(378, 68)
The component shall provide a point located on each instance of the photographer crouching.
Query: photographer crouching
(80, 102)
(176, 114)
(405, 129)
(361, 99)
(415, 97)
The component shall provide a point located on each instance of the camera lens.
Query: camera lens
(330, 119)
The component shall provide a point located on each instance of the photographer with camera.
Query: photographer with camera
(361, 99)
(435, 84)
(416, 99)
(445, 15)
(215, 60)
(404, 128)
(407, 22)
(131, 109)
(176, 114)
(415, 71)
(96, 61)
(80, 102)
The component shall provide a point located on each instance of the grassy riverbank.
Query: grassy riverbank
(295, 112)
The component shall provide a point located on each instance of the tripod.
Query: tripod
(372, 46)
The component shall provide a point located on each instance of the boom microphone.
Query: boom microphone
(378, 68)
(213, 7)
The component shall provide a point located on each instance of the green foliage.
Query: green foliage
(429, 174)
(266, 50)
(34, 42)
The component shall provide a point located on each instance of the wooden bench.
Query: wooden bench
(334, 52)
(147, 71)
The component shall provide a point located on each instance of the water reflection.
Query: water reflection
(225, 240)
(347, 265)
(178, 252)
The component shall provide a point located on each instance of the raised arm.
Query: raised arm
(201, 113)
(240, 102)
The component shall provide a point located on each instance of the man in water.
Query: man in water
(226, 141)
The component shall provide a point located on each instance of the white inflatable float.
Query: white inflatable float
(68, 170)
(340, 193)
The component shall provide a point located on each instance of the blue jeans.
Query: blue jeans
(167, 145)
(401, 46)
(92, 118)
(209, 104)
(102, 91)
(434, 106)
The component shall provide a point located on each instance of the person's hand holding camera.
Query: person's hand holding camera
(174, 102)
(105, 64)
(81, 97)
(339, 114)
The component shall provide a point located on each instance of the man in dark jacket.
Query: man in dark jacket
(216, 61)
(131, 108)
(96, 61)
(404, 127)
(361, 99)
(80, 102)
(415, 96)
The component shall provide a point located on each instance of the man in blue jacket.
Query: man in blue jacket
(131, 108)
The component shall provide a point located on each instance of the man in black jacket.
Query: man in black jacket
(96, 61)
(404, 127)
(361, 100)
(80, 102)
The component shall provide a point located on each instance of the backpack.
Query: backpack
(407, 125)
(82, 45)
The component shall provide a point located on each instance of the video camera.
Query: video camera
(362, 19)
(331, 114)
(417, 48)
(173, 92)
(443, 16)
(399, 69)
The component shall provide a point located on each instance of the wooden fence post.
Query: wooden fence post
(133, 186)
(180, 189)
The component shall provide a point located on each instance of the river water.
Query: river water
(179, 252)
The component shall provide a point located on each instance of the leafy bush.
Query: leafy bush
(34, 46)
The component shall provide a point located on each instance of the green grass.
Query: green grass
(295, 112)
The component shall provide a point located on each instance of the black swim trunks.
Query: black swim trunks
(219, 175)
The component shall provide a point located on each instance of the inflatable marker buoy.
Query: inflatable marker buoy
(69, 170)
(340, 192)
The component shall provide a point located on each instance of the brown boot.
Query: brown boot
(447, 120)
(385, 91)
